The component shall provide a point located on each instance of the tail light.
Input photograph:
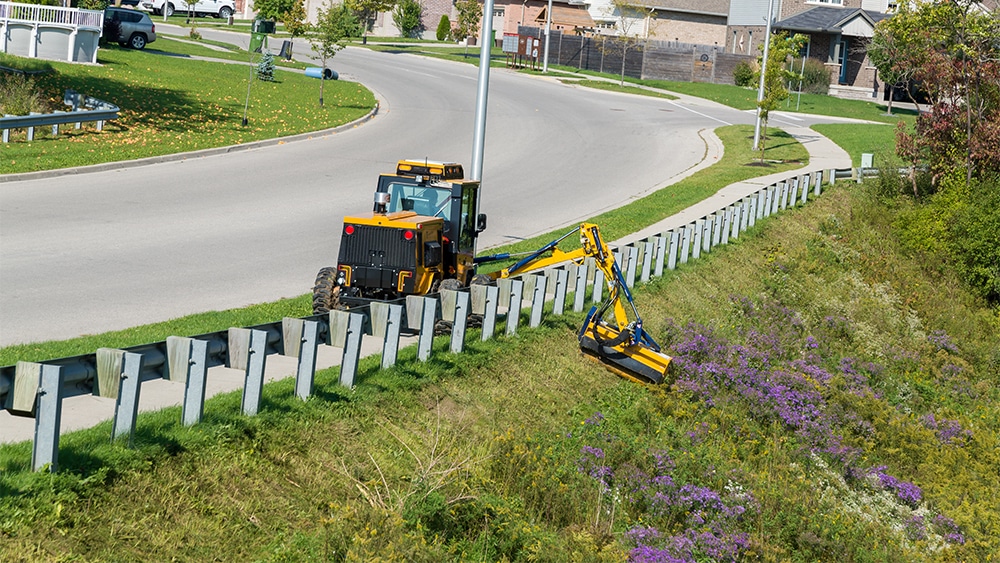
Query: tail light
(348, 229)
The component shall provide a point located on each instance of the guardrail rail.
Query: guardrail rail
(85, 109)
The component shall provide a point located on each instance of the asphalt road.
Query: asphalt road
(110, 250)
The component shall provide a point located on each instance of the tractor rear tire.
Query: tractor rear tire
(326, 294)
(476, 321)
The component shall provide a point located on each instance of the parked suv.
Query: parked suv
(135, 29)
(218, 8)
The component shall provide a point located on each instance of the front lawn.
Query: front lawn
(176, 104)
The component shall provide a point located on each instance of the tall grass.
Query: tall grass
(522, 450)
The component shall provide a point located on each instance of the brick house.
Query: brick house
(838, 31)
(702, 22)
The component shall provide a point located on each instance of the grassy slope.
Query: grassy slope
(477, 457)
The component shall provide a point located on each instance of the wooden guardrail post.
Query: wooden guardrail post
(675, 243)
(387, 320)
(461, 319)
(562, 288)
(727, 225)
(248, 352)
(48, 417)
(647, 261)
(490, 299)
(427, 316)
(194, 387)
(699, 226)
(580, 295)
(306, 346)
(537, 301)
(661, 254)
(514, 307)
(346, 330)
(127, 403)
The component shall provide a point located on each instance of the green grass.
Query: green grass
(613, 87)
(167, 112)
(190, 325)
(177, 45)
(880, 140)
(475, 457)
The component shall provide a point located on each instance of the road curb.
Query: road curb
(104, 167)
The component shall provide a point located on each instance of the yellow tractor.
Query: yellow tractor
(421, 238)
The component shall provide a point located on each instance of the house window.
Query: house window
(498, 13)
(831, 2)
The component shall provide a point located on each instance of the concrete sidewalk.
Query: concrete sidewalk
(86, 411)
(824, 154)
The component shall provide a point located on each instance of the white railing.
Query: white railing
(33, 13)
(50, 32)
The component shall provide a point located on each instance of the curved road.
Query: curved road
(110, 250)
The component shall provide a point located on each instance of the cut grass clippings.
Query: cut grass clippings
(185, 105)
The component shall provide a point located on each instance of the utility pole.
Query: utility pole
(548, 29)
(479, 138)
(763, 72)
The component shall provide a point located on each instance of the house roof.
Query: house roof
(709, 7)
(567, 16)
(824, 19)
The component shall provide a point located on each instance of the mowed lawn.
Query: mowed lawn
(172, 104)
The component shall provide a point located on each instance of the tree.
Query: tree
(953, 51)
(265, 68)
(408, 15)
(776, 75)
(273, 9)
(444, 28)
(629, 15)
(470, 13)
(295, 19)
(328, 37)
(368, 10)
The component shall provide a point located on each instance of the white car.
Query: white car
(217, 8)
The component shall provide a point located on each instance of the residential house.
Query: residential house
(838, 32)
(568, 16)
(702, 22)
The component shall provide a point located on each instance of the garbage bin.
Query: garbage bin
(286, 50)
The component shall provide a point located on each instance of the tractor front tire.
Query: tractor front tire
(326, 294)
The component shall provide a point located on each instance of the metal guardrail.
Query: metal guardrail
(93, 110)
(37, 389)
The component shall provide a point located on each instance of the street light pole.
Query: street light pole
(479, 138)
(548, 29)
(763, 72)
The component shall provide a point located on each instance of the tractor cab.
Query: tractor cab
(433, 189)
(420, 237)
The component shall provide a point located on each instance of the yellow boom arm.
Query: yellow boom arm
(624, 346)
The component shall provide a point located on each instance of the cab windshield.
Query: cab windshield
(423, 200)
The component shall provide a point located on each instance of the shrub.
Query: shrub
(407, 15)
(744, 74)
(265, 68)
(815, 76)
(194, 33)
(20, 96)
(444, 28)
(975, 238)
